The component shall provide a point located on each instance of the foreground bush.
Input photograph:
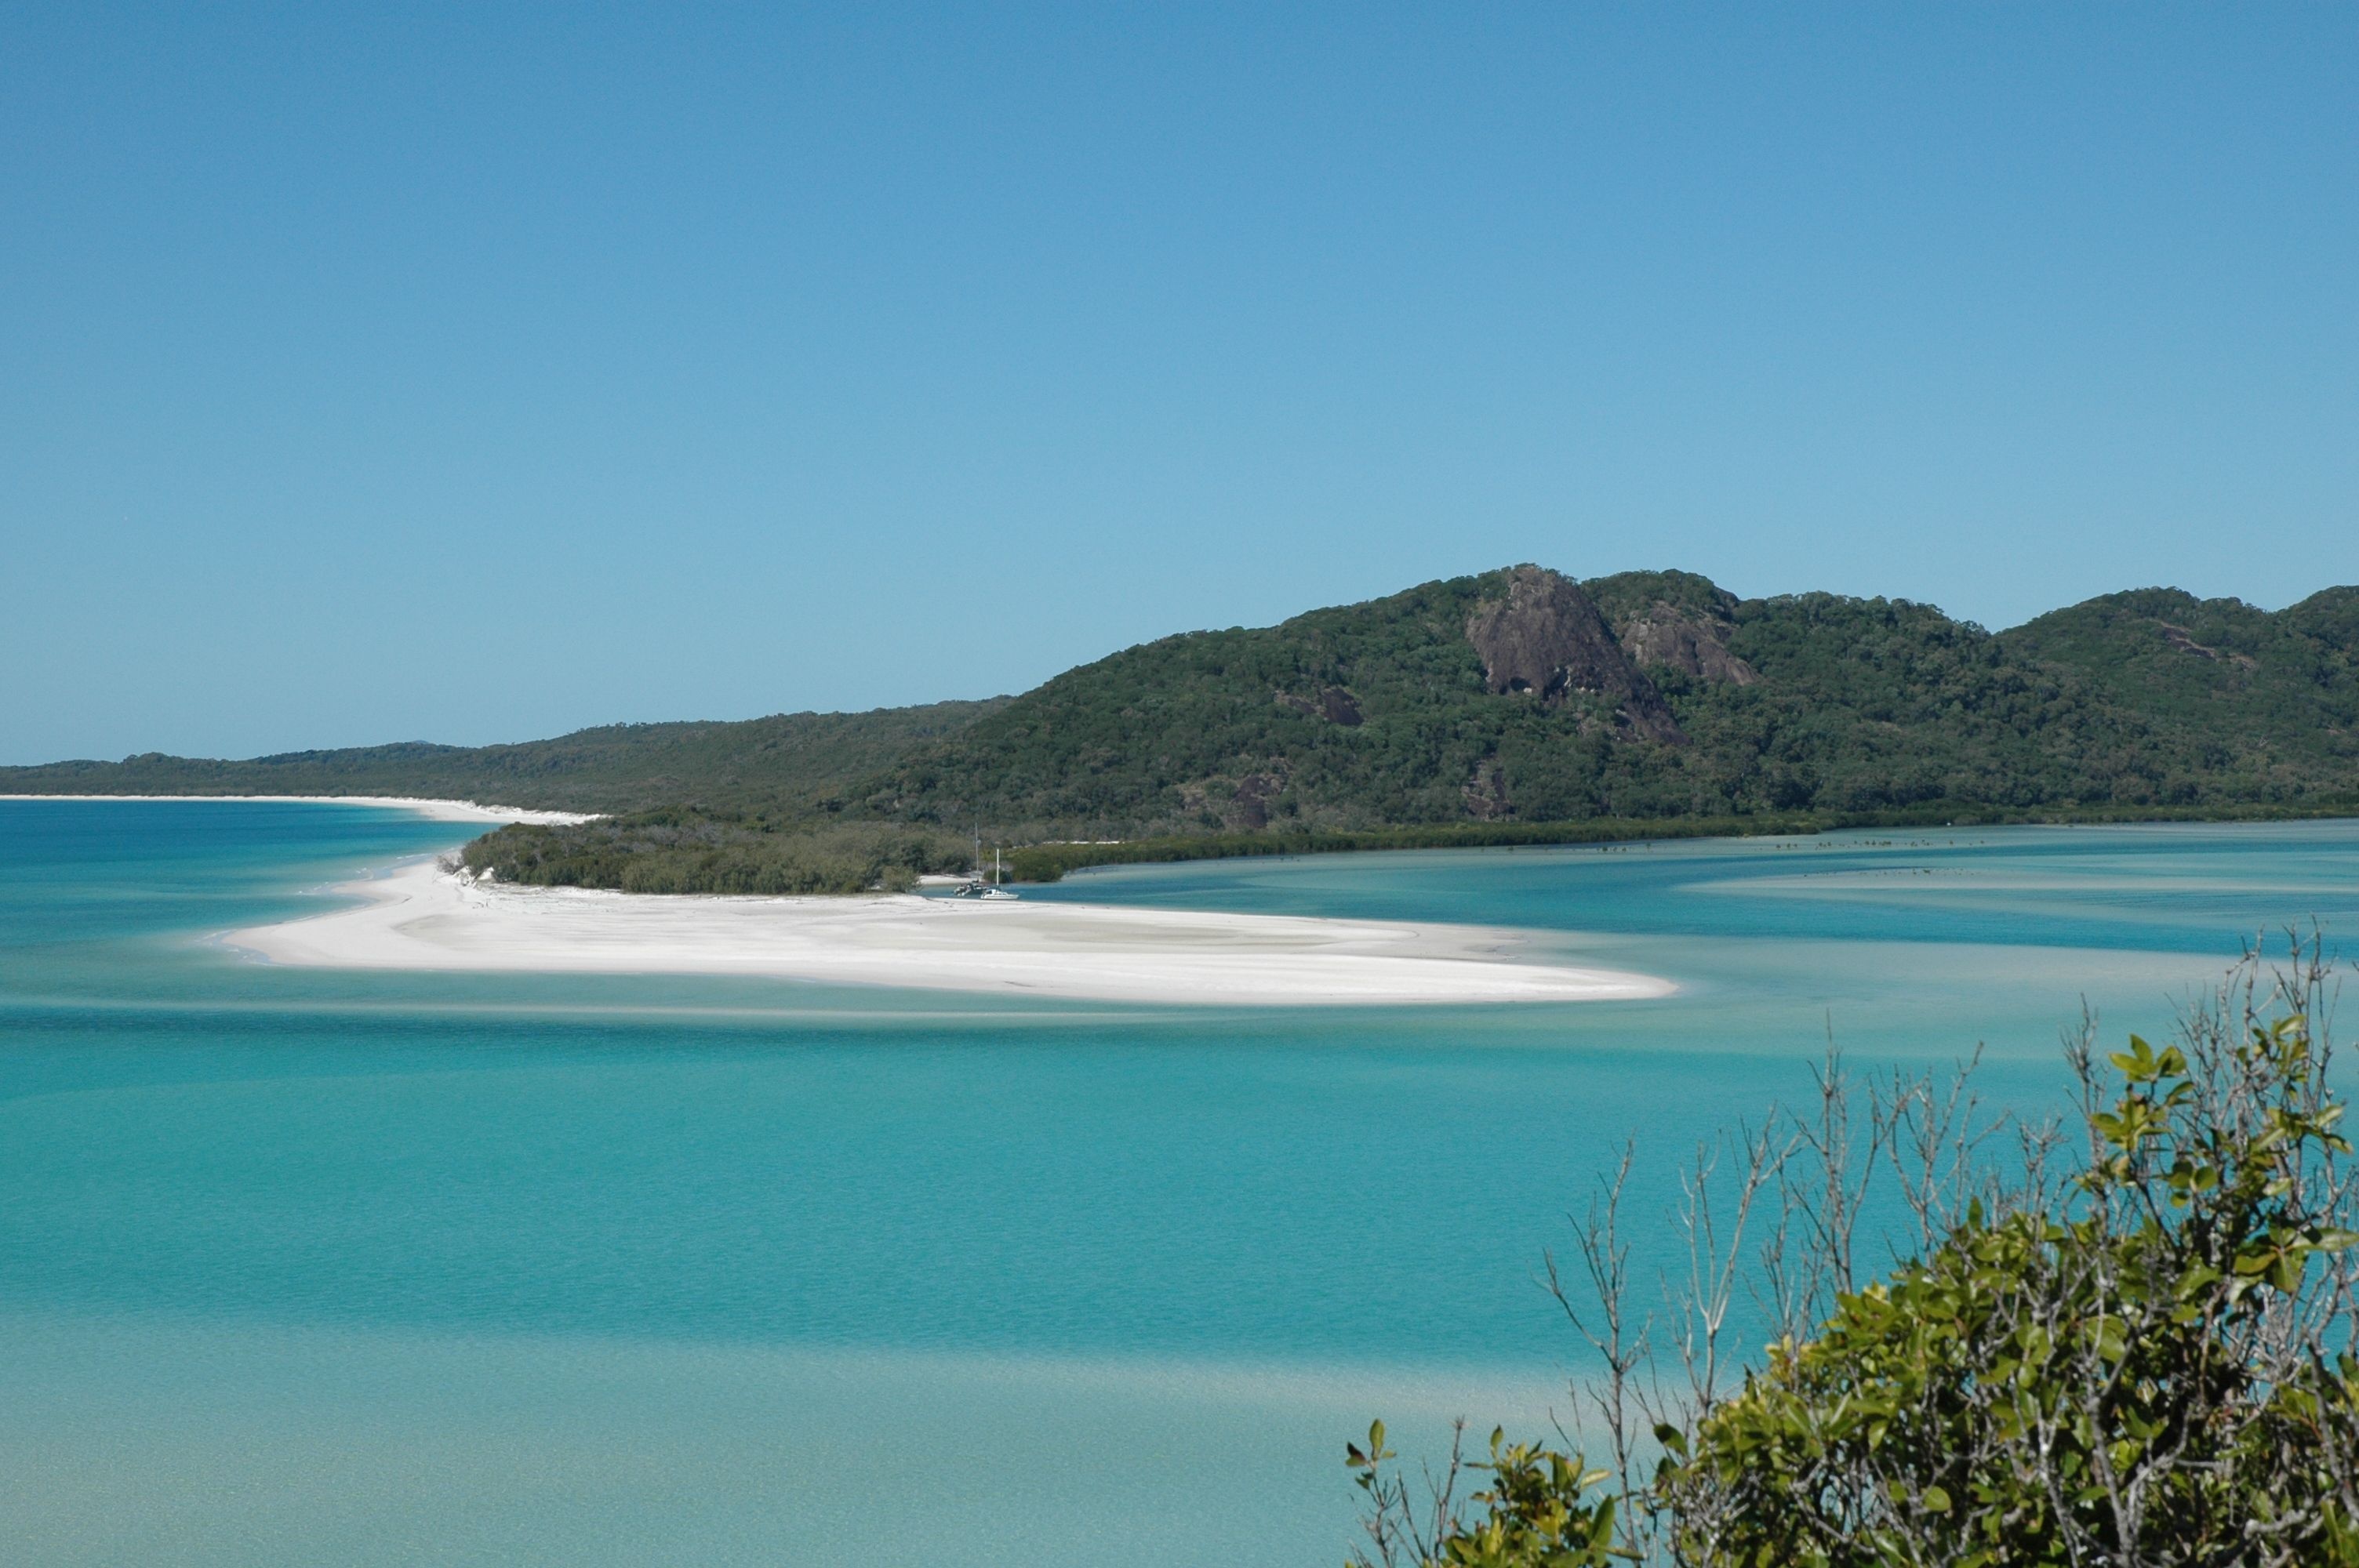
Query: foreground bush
(2136, 1349)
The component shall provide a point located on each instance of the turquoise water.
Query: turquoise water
(300, 1267)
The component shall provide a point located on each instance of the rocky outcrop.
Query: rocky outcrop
(1546, 639)
(1255, 791)
(2184, 641)
(1333, 704)
(1239, 805)
(1485, 792)
(1687, 640)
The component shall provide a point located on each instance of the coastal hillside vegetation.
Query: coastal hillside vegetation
(671, 850)
(785, 764)
(1521, 696)
(1515, 706)
(2130, 1339)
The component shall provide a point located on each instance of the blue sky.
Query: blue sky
(479, 372)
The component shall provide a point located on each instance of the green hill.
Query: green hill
(780, 766)
(1515, 706)
(1522, 696)
(2283, 686)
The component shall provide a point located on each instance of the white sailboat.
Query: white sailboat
(978, 888)
(995, 889)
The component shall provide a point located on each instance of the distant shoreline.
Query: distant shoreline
(1051, 861)
(1048, 862)
(423, 918)
(438, 810)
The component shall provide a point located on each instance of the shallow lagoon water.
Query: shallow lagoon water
(303, 1267)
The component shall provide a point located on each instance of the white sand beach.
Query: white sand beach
(438, 810)
(421, 917)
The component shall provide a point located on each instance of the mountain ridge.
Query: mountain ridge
(783, 759)
(1508, 699)
(1717, 705)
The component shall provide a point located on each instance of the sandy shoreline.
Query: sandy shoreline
(438, 810)
(421, 917)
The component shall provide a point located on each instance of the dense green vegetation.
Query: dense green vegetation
(2254, 682)
(1514, 707)
(597, 855)
(2133, 1344)
(688, 851)
(1049, 861)
(1380, 715)
(787, 764)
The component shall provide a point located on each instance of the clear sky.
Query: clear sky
(478, 372)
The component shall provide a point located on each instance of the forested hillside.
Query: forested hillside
(1522, 696)
(780, 767)
(1508, 706)
(2247, 679)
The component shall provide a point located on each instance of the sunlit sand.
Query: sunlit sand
(422, 917)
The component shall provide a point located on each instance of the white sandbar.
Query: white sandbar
(421, 917)
(438, 810)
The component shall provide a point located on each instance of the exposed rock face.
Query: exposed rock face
(1547, 638)
(1686, 640)
(1255, 791)
(1487, 792)
(1238, 804)
(2181, 639)
(1333, 704)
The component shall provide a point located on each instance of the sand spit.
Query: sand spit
(421, 917)
(440, 810)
